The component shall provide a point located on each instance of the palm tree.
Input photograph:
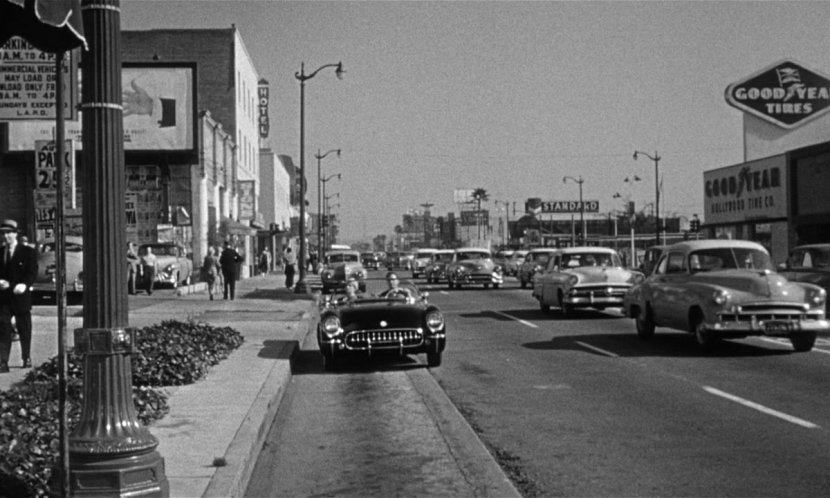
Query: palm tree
(479, 195)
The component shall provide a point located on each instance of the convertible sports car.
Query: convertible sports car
(474, 266)
(718, 289)
(396, 324)
(583, 277)
(340, 266)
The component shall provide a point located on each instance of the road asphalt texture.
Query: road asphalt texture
(226, 416)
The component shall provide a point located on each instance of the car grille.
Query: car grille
(384, 339)
(600, 291)
(770, 311)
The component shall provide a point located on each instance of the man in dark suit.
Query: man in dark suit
(229, 262)
(18, 269)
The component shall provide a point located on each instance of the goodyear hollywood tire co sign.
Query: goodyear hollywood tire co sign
(785, 94)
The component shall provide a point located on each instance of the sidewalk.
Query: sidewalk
(228, 413)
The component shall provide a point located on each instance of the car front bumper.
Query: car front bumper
(770, 327)
(596, 296)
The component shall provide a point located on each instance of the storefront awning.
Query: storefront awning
(230, 226)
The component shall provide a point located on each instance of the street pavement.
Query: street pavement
(214, 431)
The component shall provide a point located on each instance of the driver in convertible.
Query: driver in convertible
(394, 290)
(352, 292)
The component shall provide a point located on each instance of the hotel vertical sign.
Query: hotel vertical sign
(785, 94)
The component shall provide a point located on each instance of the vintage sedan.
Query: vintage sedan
(474, 266)
(716, 289)
(398, 260)
(420, 260)
(370, 260)
(514, 261)
(396, 324)
(339, 267)
(173, 265)
(437, 270)
(809, 263)
(43, 289)
(584, 277)
(535, 261)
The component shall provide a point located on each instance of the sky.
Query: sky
(506, 96)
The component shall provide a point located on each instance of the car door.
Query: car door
(670, 290)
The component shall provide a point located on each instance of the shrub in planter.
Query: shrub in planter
(171, 353)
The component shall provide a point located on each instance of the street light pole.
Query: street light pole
(324, 181)
(301, 286)
(580, 181)
(320, 201)
(656, 159)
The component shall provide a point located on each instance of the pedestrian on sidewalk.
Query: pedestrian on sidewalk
(133, 265)
(18, 269)
(265, 262)
(149, 266)
(210, 271)
(290, 260)
(229, 262)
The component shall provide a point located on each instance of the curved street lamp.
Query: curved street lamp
(656, 159)
(320, 158)
(580, 181)
(302, 286)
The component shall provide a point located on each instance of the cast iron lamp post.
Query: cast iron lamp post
(656, 159)
(324, 181)
(302, 286)
(580, 181)
(320, 158)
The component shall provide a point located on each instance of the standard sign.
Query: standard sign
(570, 207)
(785, 94)
(27, 82)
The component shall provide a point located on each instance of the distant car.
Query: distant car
(399, 260)
(420, 260)
(650, 258)
(500, 257)
(396, 325)
(340, 266)
(583, 277)
(370, 260)
(512, 264)
(437, 270)
(174, 265)
(474, 266)
(716, 289)
(44, 289)
(534, 262)
(808, 263)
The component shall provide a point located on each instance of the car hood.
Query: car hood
(601, 274)
(754, 282)
(808, 275)
(396, 314)
(474, 265)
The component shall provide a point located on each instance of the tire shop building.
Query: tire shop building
(778, 195)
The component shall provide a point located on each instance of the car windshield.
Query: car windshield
(343, 258)
(538, 257)
(577, 259)
(163, 250)
(725, 258)
(813, 257)
(472, 255)
(443, 257)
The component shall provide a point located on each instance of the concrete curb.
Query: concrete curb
(242, 453)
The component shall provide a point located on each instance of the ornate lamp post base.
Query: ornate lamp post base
(135, 475)
(301, 287)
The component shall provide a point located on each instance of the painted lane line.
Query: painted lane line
(598, 350)
(523, 322)
(761, 408)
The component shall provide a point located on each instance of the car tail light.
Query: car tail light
(435, 321)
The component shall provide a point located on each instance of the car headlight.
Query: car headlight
(573, 280)
(169, 268)
(497, 269)
(720, 297)
(331, 326)
(819, 298)
(459, 270)
(326, 274)
(636, 278)
(435, 321)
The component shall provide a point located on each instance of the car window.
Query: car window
(661, 264)
(674, 263)
(591, 259)
(471, 255)
(729, 258)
